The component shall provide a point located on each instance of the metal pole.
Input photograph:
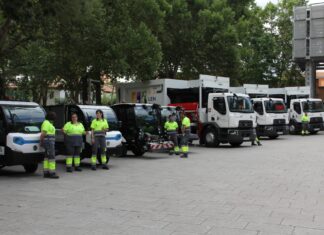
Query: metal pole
(310, 79)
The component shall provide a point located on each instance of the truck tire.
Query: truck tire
(236, 144)
(313, 132)
(138, 151)
(31, 168)
(292, 129)
(124, 151)
(272, 137)
(210, 137)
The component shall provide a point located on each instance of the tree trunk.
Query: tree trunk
(2, 87)
(4, 32)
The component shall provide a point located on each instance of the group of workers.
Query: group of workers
(172, 129)
(73, 131)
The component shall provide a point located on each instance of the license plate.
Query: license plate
(107, 143)
(2, 150)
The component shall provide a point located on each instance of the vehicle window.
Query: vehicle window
(146, 119)
(275, 106)
(24, 118)
(258, 107)
(313, 106)
(240, 104)
(297, 107)
(219, 105)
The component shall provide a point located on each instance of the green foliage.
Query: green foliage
(64, 41)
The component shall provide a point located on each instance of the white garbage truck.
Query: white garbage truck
(272, 117)
(314, 109)
(20, 124)
(228, 118)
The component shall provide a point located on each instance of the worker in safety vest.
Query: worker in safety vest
(185, 129)
(47, 140)
(99, 127)
(171, 127)
(73, 131)
(305, 122)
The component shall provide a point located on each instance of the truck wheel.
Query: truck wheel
(31, 168)
(211, 138)
(87, 152)
(138, 151)
(123, 152)
(292, 129)
(272, 137)
(236, 144)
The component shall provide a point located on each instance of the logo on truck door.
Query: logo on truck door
(2, 150)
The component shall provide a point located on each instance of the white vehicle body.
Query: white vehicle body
(289, 93)
(229, 118)
(314, 109)
(272, 117)
(20, 124)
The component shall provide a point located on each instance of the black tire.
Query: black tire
(236, 144)
(313, 132)
(123, 152)
(138, 151)
(31, 168)
(272, 137)
(292, 129)
(87, 152)
(210, 137)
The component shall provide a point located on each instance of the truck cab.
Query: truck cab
(315, 110)
(228, 118)
(20, 129)
(86, 113)
(141, 127)
(272, 117)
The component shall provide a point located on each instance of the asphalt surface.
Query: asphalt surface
(277, 188)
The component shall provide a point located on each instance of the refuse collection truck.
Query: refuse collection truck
(315, 110)
(228, 118)
(142, 128)
(86, 113)
(290, 93)
(20, 128)
(272, 117)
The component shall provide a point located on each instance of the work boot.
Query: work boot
(69, 169)
(53, 176)
(105, 167)
(253, 143)
(77, 168)
(46, 174)
(170, 153)
(259, 144)
(184, 155)
(94, 168)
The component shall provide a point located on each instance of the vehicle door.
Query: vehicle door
(218, 112)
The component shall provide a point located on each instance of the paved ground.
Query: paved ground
(274, 189)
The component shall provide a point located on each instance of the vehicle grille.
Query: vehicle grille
(316, 120)
(279, 122)
(245, 124)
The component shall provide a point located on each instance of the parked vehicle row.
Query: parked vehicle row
(224, 118)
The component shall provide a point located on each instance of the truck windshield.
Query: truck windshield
(147, 119)
(275, 106)
(25, 119)
(239, 104)
(109, 114)
(313, 106)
